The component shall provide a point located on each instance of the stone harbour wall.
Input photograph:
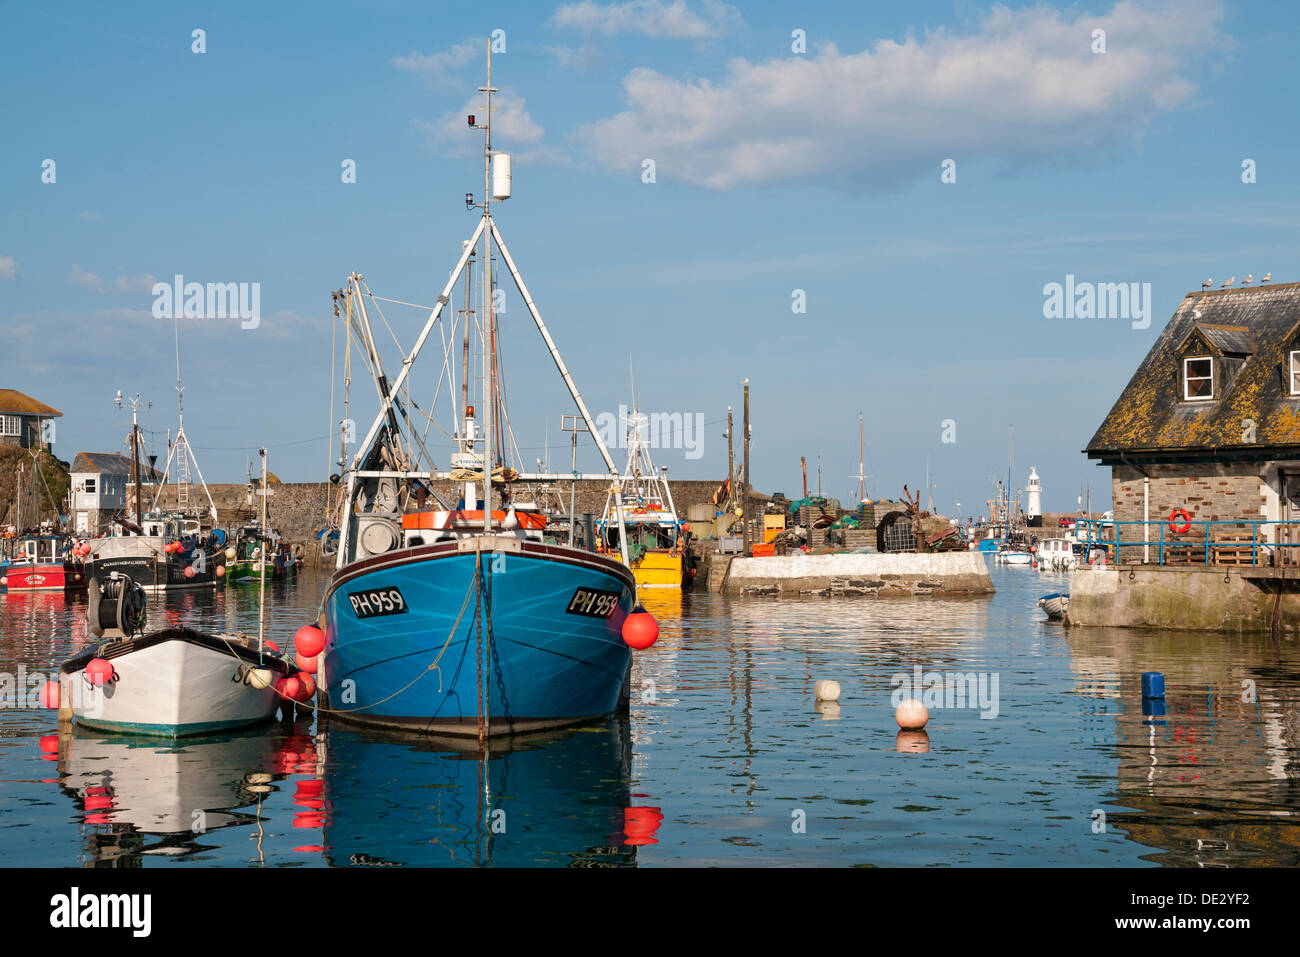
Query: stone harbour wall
(861, 574)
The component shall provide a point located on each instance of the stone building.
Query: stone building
(25, 422)
(101, 487)
(1210, 424)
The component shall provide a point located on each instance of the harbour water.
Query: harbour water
(725, 758)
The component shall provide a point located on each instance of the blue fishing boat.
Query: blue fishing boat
(448, 611)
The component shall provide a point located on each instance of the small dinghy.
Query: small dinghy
(172, 682)
(1055, 606)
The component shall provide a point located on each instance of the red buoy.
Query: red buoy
(189, 571)
(289, 687)
(50, 694)
(310, 641)
(273, 646)
(640, 630)
(306, 687)
(221, 571)
(305, 664)
(99, 671)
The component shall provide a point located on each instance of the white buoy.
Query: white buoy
(827, 691)
(261, 678)
(912, 715)
(829, 710)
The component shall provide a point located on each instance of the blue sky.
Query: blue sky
(774, 171)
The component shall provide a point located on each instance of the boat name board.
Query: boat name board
(374, 602)
(593, 602)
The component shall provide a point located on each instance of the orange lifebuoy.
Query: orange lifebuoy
(1186, 517)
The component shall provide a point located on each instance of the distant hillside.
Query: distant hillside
(49, 493)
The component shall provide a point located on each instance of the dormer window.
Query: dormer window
(1295, 372)
(1198, 378)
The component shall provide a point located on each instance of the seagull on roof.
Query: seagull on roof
(1266, 277)
(1231, 280)
(1209, 283)
(1248, 280)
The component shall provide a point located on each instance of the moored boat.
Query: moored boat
(172, 682)
(1055, 605)
(44, 562)
(655, 537)
(457, 617)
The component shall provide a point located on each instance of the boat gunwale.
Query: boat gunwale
(406, 556)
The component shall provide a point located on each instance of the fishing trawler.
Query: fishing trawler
(44, 561)
(655, 538)
(448, 612)
(160, 549)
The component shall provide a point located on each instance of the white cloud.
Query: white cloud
(673, 19)
(90, 216)
(438, 66)
(8, 267)
(1025, 84)
(80, 277)
(512, 127)
(140, 284)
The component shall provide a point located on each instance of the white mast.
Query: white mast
(486, 228)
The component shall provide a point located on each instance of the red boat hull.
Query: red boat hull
(64, 576)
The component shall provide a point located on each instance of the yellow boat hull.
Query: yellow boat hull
(658, 570)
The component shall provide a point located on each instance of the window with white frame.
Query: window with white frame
(90, 486)
(11, 425)
(1295, 372)
(1198, 378)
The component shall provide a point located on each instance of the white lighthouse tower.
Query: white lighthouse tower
(1034, 496)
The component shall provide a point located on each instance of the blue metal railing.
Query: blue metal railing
(1093, 533)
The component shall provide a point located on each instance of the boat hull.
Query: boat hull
(556, 651)
(149, 572)
(172, 683)
(59, 576)
(658, 570)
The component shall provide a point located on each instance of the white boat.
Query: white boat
(1012, 557)
(1056, 555)
(1055, 606)
(170, 683)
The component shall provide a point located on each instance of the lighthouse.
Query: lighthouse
(1034, 496)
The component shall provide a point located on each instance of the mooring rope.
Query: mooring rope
(433, 665)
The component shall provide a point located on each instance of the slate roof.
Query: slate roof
(112, 463)
(1252, 330)
(13, 402)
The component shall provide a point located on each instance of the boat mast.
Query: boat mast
(134, 405)
(489, 350)
(261, 565)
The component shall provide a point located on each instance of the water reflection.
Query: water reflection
(724, 743)
(558, 799)
(1213, 779)
(138, 796)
